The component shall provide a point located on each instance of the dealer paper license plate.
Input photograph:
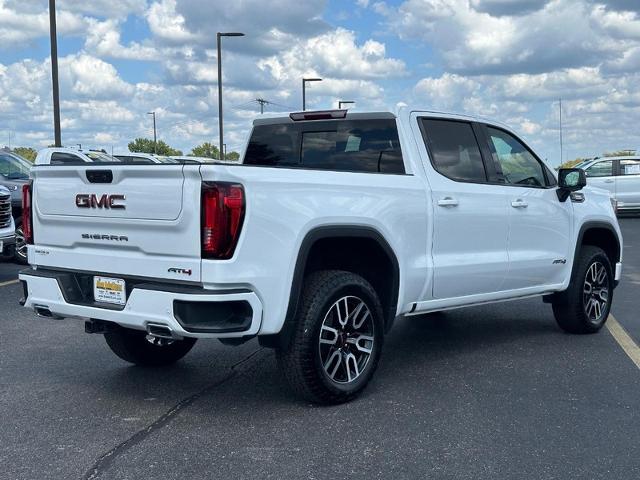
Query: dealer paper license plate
(109, 290)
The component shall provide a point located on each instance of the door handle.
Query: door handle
(448, 202)
(519, 203)
(608, 181)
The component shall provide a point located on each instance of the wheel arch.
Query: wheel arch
(600, 234)
(320, 240)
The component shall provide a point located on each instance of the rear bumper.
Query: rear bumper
(186, 310)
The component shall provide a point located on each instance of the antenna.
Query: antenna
(561, 152)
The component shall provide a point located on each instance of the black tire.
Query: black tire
(574, 309)
(133, 346)
(303, 360)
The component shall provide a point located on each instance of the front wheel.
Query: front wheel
(584, 307)
(139, 348)
(337, 339)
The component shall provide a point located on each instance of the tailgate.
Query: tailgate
(129, 220)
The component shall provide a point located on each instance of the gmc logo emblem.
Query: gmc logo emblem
(91, 200)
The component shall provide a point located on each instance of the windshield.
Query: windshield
(100, 157)
(13, 167)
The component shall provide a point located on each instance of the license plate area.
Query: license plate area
(109, 290)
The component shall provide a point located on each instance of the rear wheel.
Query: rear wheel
(136, 346)
(337, 339)
(585, 305)
(20, 248)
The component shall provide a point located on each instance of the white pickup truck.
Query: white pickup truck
(334, 225)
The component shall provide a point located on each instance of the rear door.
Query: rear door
(469, 248)
(628, 184)
(126, 220)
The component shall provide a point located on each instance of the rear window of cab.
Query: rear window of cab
(370, 145)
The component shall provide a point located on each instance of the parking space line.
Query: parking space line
(624, 340)
(10, 282)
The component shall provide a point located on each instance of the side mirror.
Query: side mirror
(570, 180)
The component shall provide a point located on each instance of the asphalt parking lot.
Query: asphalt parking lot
(490, 392)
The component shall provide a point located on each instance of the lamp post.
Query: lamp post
(304, 96)
(155, 141)
(219, 36)
(54, 73)
(344, 102)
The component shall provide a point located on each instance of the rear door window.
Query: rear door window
(454, 150)
(629, 167)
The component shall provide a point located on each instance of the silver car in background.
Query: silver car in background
(619, 175)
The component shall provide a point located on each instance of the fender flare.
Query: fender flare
(282, 338)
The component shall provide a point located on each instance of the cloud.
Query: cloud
(499, 8)
(17, 26)
(103, 40)
(561, 34)
(334, 54)
(87, 76)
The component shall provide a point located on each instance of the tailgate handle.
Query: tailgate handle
(100, 176)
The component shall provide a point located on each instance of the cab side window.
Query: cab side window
(454, 150)
(629, 167)
(517, 164)
(600, 169)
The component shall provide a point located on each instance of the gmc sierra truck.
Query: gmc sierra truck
(334, 225)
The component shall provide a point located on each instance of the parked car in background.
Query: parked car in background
(60, 156)
(139, 157)
(7, 228)
(620, 176)
(14, 172)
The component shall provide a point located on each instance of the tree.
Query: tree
(620, 153)
(145, 145)
(235, 156)
(27, 153)
(206, 149)
(571, 163)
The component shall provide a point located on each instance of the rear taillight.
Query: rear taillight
(27, 226)
(222, 215)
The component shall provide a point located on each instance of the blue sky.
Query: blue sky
(506, 59)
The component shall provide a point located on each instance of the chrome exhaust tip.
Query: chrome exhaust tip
(159, 330)
(44, 312)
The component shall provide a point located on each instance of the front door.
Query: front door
(539, 224)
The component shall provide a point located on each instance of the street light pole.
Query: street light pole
(155, 139)
(54, 73)
(219, 36)
(304, 95)
(344, 102)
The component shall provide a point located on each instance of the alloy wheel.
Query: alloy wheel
(347, 337)
(21, 245)
(596, 292)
